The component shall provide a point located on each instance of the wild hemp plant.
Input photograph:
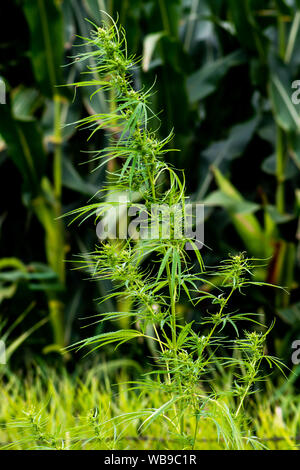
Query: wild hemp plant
(38, 438)
(187, 355)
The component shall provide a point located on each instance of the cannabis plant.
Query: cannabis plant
(186, 355)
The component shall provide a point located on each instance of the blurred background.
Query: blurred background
(222, 74)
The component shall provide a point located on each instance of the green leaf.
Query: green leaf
(181, 339)
(239, 136)
(286, 112)
(47, 45)
(220, 198)
(247, 30)
(283, 7)
(71, 179)
(291, 314)
(206, 80)
(7, 292)
(164, 262)
(170, 15)
(277, 216)
(149, 45)
(158, 412)
(269, 166)
(119, 337)
(246, 225)
(294, 149)
(20, 339)
(24, 142)
(24, 103)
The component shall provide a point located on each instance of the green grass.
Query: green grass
(84, 411)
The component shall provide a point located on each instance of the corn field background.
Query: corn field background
(224, 77)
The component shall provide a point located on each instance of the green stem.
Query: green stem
(174, 338)
(57, 164)
(281, 37)
(55, 250)
(173, 311)
(55, 236)
(164, 16)
(251, 380)
(196, 431)
(220, 314)
(242, 401)
(280, 170)
(173, 307)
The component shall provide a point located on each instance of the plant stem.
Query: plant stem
(56, 250)
(196, 431)
(57, 171)
(281, 37)
(164, 16)
(280, 167)
(250, 382)
(219, 314)
(173, 309)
